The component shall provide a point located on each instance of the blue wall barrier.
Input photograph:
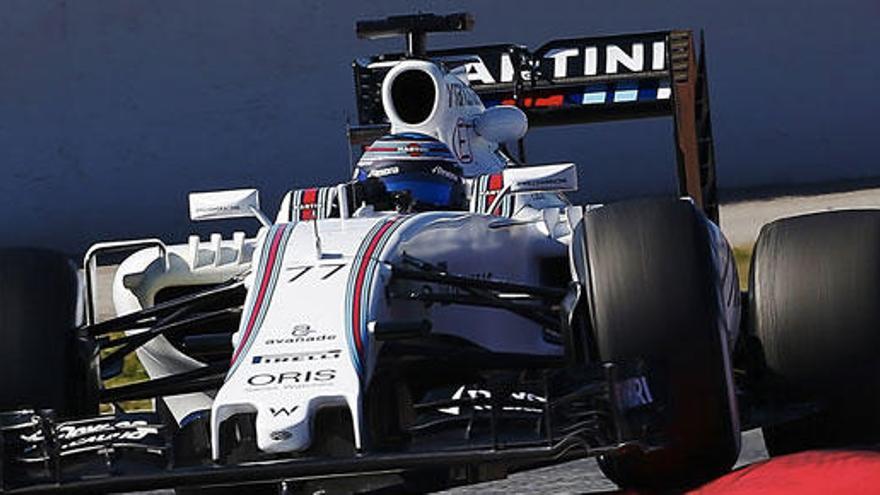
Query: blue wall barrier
(111, 111)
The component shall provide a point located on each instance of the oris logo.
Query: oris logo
(292, 378)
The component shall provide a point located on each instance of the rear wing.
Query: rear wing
(579, 81)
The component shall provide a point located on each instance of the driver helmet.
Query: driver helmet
(416, 165)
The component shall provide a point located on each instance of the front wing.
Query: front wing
(611, 409)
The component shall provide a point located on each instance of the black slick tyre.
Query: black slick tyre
(654, 292)
(43, 361)
(815, 308)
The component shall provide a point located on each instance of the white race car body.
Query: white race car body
(318, 288)
(304, 340)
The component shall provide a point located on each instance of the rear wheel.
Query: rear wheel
(655, 291)
(43, 361)
(815, 308)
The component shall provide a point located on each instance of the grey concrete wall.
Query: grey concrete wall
(111, 110)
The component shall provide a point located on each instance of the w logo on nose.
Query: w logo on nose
(282, 411)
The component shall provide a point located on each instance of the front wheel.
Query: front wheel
(43, 361)
(659, 288)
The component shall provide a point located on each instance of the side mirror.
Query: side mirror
(501, 124)
(537, 179)
(542, 178)
(218, 205)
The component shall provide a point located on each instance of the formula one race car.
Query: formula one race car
(447, 316)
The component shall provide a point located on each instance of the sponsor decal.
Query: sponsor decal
(382, 172)
(81, 435)
(302, 333)
(292, 379)
(572, 59)
(413, 145)
(556, 177)
(634, 392)
(438, 170)
(461, 143)
(282, 411)
(543, 182)
(219, 209)
(531, 403)
(414, 149)
(296, 357)
(223, 204)
(311, 204)
(461, 95)
(301, 330)
(299, 340)
(280, 435)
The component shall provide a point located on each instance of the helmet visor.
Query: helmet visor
(425, 188)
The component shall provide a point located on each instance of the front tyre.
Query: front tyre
(43, 361)
(658, 289)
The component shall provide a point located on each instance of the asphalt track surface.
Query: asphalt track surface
(741, 223)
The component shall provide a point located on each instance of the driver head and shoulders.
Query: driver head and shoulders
(411, 172)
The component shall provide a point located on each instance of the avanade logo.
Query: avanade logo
(303, 332)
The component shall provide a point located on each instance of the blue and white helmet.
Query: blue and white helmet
(419, 164)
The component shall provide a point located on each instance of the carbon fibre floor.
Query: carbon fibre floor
(581, 476)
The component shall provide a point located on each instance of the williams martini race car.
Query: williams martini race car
(447, 316)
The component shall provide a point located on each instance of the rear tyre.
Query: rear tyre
(43, 361)
(815, 307)
(655, 292)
